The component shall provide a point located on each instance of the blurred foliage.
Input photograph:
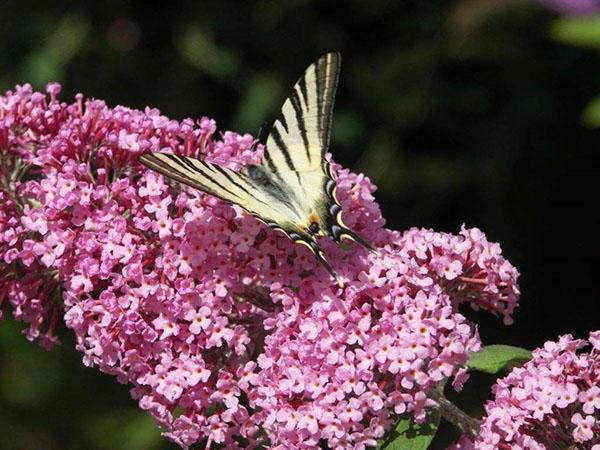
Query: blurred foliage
(583, 32)
(49, 401)
(591, 113)
(465, 111)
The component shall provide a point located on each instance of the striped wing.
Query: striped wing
(296, 147)
(300, 134)
(292, 190)
(239, 188)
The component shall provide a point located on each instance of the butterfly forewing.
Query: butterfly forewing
(300, 135)
(224, 183)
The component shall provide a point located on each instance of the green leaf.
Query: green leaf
(580, 31)
(494, 358)
(591, 114)
(408, 435)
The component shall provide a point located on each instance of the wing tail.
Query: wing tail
(347, 233)
(315, 248)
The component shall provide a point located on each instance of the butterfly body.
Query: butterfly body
(293, 189)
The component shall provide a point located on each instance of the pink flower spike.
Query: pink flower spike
(551, 401)
(225, 329)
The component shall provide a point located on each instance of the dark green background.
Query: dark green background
(461, 111)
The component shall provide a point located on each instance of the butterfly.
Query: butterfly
(293, 189)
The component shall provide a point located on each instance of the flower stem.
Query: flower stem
(455, 415)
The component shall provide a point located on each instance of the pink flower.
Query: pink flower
(288, 418)
(166, 325)
(590, 399)
(540, 405)
(223, 327)
(351, 411)
(583, 427)
(154, 186)
(129, 141)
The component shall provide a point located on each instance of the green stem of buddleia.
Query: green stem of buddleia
(455, 415)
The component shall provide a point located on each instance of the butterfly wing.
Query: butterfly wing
(252, 188)
(239, 188)
(296, 147)
(299, 137)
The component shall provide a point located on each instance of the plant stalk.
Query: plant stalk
(455, 415)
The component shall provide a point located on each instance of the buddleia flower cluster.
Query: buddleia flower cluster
(551, 402)
(228, 333)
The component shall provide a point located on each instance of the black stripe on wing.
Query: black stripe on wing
(183, 171)
(203, 176)
(327, 72)
(284, 148)
(295, 101)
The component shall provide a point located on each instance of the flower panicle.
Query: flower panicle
(225, 329)
(553, 401)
